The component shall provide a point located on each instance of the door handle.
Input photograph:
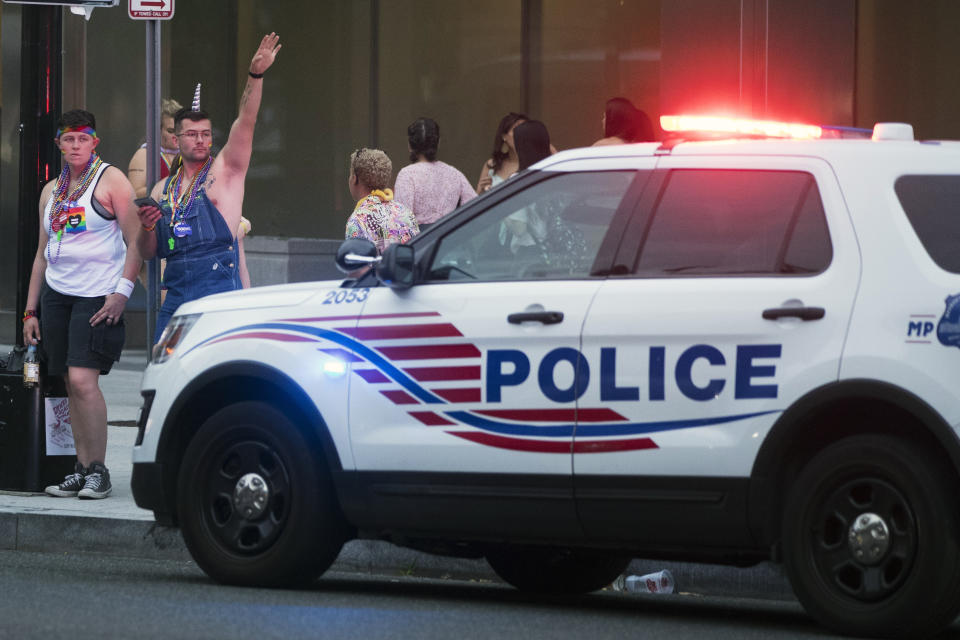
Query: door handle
(804, 313)
(546, 317)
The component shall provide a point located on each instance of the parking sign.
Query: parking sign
(150, 9)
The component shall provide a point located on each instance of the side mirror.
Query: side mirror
(396, 266)
(356, 253)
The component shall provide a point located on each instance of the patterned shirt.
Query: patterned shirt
(432, 189)
(382, 222)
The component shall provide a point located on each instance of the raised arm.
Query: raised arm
(236, 152)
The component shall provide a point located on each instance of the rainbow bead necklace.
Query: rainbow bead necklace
(176, 198)
(58, 217)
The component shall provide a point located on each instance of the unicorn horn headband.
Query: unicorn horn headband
(196, 99)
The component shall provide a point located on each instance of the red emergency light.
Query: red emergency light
(738, 126)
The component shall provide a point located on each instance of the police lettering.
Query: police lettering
(511, 368)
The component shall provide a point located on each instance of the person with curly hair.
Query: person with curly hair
(378, 217)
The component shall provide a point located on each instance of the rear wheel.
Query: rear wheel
(255, 502)
(556, 570)
(870, 539)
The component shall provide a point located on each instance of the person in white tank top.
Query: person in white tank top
(82, 276)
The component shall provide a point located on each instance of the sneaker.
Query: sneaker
(96, 484)
(71, 485)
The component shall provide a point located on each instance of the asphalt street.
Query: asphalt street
(48, 595)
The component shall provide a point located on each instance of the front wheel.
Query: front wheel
(556, 570)
(870, 539)
(255, 501)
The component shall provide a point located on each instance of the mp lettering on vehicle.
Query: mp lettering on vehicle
(511, 367)
(411, 359)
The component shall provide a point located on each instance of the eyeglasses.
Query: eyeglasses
(193, 135)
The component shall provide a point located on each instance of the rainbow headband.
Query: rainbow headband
(87, 130)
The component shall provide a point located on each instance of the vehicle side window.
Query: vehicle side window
(718, 222)
(932, 204)
(552, 230)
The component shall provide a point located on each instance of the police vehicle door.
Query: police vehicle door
(471, 394)
(740, 279)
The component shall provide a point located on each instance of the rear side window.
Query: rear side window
(932, 204)
(725, 222)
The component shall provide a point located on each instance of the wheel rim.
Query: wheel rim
(864, 539)
(246, 497)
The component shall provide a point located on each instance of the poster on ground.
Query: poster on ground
(58, 428)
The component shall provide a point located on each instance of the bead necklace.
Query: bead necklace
(58, 217)
(176, 198)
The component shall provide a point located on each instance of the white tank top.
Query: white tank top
(88, 259)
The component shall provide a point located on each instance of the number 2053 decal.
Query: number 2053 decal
(344, 296)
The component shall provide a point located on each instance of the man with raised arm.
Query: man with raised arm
(195, 227)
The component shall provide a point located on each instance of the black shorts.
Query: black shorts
(68, 340)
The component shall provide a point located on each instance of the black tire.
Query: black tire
(554, 570)
(299, 531)
(911, 588)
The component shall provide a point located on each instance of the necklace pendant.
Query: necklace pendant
(170, 243)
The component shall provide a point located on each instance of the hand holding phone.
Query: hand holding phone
(146, 201)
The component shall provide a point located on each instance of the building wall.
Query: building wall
(355, 73)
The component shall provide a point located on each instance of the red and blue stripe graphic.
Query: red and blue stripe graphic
(390, 356)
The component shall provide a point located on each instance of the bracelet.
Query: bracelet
(29, 313)
(255, 75)
(150, 228)
(124, 288)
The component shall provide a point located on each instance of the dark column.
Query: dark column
(531, 43)
(40, 65)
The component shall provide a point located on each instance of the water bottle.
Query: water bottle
(659, 582)
(31, 367)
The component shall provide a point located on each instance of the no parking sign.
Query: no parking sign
(150, 9)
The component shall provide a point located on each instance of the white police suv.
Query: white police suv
(723, 351)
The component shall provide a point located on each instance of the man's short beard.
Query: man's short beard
(196, 156)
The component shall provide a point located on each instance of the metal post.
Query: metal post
(153, 168)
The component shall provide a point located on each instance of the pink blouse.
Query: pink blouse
(432, 189)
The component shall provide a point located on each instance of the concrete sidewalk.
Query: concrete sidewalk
(116, 526)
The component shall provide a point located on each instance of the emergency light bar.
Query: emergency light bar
(739, 126)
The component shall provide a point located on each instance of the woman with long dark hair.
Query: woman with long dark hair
(503, 161)
(623, 123)
(532, 141)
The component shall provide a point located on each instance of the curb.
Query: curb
(148, 540)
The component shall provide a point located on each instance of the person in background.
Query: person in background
(623, 123)
(82, 276)
(242, 231)
(378, 217)
(532, 142)
(428, 186)
(503, 160)
(137, 169)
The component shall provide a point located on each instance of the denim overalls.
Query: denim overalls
(201, 263)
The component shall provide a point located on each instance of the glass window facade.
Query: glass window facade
(356, 72)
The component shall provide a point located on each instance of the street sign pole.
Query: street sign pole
(153, 169)
(153, 12)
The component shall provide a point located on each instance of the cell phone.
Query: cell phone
(146, 201)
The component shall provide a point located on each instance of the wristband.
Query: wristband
(150, 228)
(29, 313)
(255, 75)
(124, 288)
